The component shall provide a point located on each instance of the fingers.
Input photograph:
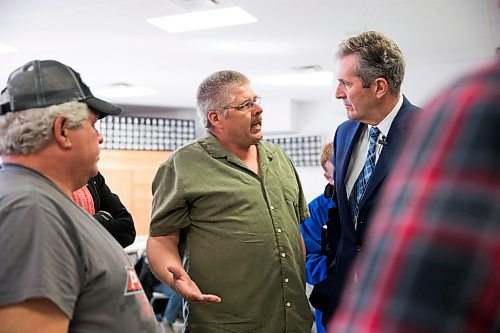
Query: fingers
(205, 298)
(211, 298)
(197, 297)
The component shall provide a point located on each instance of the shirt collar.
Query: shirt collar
(386, 123)
(217, 149)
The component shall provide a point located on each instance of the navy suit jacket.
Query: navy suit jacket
(326, 294)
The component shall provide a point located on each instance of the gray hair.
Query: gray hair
(27, 131)
(213, 92)
(378, 56)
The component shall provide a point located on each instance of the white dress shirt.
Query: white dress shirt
(360, 151)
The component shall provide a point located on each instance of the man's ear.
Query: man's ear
(328, 178)
(60, 132)
(214, 118)
(381, 87)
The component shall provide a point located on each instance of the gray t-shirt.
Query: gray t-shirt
(51, 248)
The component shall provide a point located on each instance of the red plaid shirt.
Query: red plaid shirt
(432, 258)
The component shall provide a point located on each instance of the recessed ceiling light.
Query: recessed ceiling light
(323, 78)
(201, 20)
(4, 48)
(126, 91)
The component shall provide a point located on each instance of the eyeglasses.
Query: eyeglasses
(248, 105)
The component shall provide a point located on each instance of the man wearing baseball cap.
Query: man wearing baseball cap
(61, 271)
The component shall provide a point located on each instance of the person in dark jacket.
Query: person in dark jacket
(106, 207)
(365, 147)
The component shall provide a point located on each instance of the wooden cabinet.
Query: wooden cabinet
(129, 174)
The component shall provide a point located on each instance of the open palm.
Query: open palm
(188, 289)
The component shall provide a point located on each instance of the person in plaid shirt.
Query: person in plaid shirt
(433, 253)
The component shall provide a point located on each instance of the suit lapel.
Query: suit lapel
(389, 152)
(351, 138)
(384, 162)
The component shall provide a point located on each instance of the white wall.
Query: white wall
(320, 118)
(277, 115)
(313, 182)
(423, 80)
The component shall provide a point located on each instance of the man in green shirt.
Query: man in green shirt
(231, 205)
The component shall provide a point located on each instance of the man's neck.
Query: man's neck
(384, 108)
(42, 164)
(248, 154)
(243, 152)
(250, 157)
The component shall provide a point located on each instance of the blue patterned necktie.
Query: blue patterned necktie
(359, 187)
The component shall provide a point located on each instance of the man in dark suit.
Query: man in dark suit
(444, 275)
(371, 71)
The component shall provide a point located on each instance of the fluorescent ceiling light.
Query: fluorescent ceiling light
(126, 91)
(323, 78)
(206, 19)
(6, 48)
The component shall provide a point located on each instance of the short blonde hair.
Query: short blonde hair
(326, 155)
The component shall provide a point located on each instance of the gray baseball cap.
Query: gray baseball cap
(41, 83)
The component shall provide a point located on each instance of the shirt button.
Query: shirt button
(286, 280)
(283, 254)
(358, 248)
(288, 304)
(272, 207)
(278, 230)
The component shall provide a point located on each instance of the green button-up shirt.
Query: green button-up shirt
(242, 236)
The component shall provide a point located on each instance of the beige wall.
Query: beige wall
(129, 174)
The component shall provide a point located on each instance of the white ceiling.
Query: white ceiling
(109, 41)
